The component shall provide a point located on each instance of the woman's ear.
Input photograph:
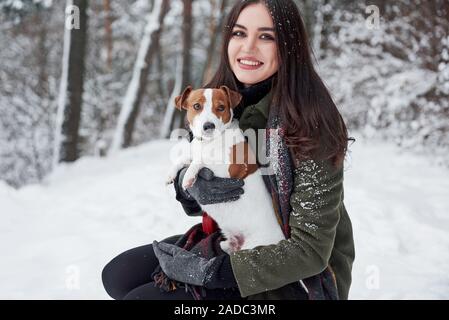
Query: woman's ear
(233, 96)
(180, 100)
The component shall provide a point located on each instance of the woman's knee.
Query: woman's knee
(111, 276)
(130, 269)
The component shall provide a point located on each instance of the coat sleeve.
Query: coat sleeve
(315, 203)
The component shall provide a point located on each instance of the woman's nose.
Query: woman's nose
(250, 43)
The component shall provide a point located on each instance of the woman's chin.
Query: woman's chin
(249, 77)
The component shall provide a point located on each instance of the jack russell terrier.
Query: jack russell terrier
(219, 144)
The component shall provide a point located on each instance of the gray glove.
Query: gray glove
(182, 265)
(209, 189)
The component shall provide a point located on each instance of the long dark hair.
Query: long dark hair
(313, 124)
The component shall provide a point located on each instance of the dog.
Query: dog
(219, 144)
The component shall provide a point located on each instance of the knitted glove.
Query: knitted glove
(209, 189)
(181, 265)
(189, 204)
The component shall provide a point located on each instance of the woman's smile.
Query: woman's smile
(247, 64)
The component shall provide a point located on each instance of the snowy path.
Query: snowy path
(55, 238)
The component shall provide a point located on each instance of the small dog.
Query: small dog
(219, 144)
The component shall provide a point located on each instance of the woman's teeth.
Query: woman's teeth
(250, 63)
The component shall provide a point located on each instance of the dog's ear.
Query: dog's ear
(181, 99)
(233, 96)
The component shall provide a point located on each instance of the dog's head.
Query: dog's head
(209, 111)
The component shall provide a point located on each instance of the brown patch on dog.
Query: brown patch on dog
(225, 99)
(233, 96)
(180, 101)
(220, 105)
(189, 98)
(243, 161)
(196, 96)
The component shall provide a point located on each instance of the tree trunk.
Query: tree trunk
(42, 54)
(179, 116)
(325, 30)
(215, 29)
(161, 88)
(309, 17)
(75, 80)
(187, 42)
(108, 32)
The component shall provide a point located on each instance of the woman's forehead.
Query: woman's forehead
(255, 16)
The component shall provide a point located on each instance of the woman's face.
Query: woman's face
(252, 48)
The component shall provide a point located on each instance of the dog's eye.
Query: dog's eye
(221, 108)
(197, 106)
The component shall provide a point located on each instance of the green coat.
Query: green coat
(321, 231)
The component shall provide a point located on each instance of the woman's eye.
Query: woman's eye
(197, 106)
(263, 37)
(267, 37)
(221, 108)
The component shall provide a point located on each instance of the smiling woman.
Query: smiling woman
(266, 58)
(252, 48)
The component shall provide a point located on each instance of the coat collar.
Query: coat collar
(264, 104)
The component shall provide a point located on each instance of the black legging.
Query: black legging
(128, 277)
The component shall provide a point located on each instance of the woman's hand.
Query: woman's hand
(182, 265)
(209, 189)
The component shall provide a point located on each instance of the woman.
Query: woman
(283, 91)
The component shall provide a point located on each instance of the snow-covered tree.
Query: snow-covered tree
(387, 76)
(136, 87)
(72, 83)
(27, 90)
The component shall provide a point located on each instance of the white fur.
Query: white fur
(252, 215)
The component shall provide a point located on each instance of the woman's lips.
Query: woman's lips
(248, 67)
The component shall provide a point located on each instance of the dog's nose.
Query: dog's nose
(208, 126)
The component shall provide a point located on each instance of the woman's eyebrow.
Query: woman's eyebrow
(260, 29)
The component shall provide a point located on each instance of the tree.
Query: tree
(72, 81)
(147, 51)
(177, 117)
(108, 32)
(26, 90)
(215, 28)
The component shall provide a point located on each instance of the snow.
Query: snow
(55, 237)
(398, 204)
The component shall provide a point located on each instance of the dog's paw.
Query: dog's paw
(188, 182)
(189, 179)
(171, 176)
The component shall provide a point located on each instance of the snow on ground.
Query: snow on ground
(399, 207)
(56, 237)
